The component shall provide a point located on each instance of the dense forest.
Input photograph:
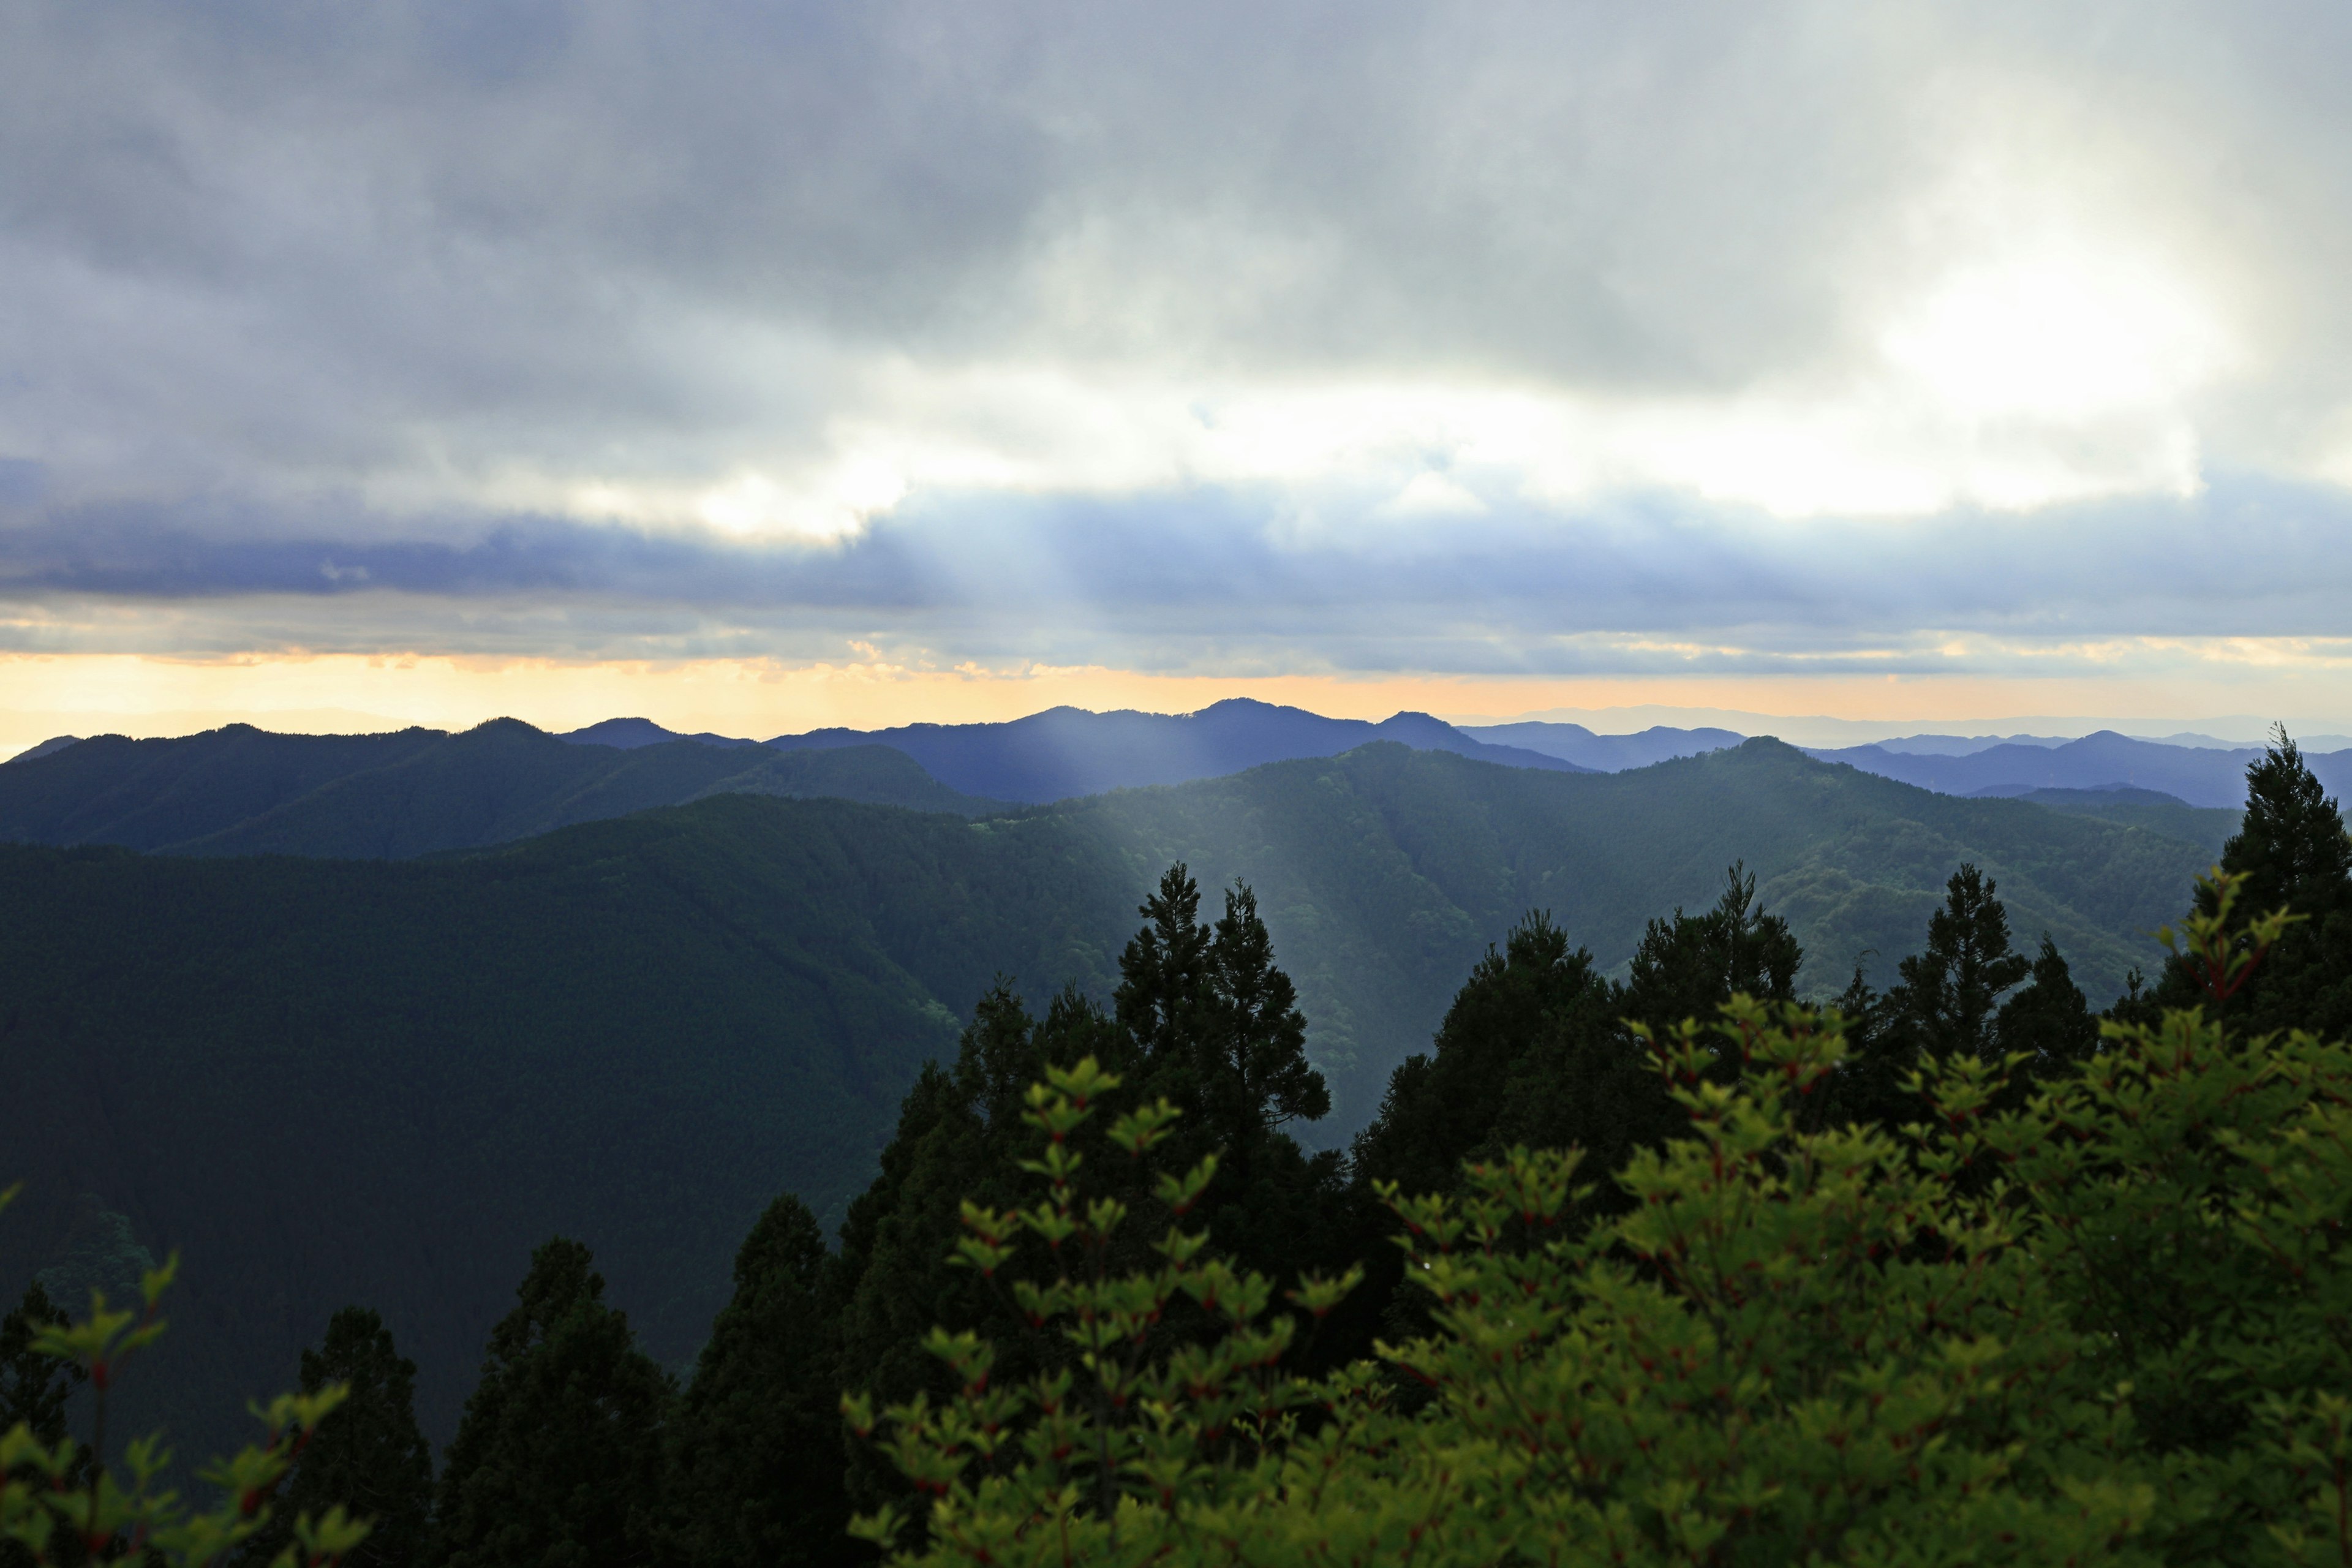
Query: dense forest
(576, 1444)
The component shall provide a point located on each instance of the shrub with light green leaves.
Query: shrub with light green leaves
(66, 1501)
(2108, 1326)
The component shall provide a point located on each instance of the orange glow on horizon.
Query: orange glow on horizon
(45, 695)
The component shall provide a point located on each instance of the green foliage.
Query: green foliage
(959, 1138)
(2101, 1322)
(2292, 853)
(1218, 1023)
(1107, 1438)
(1205, 1020)
(35, 1385)
(34, 1391)
(560, 1456)
(755, 1456)
(71, 1502)
(2187, 1193)
(368, 1454)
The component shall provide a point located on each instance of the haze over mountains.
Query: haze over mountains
(1069, 751)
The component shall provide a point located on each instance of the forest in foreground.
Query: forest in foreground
(1272, 1357)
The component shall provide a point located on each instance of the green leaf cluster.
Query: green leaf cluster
(2099, 1317)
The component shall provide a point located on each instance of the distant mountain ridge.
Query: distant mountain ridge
(241, 791)
(628, 734)
(1605, 754)
(1065, 753)
(2196, 776)
(206, 794)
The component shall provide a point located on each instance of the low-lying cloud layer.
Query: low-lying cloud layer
(1357, 337)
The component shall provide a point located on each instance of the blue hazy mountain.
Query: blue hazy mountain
(1064, 752)
(1604, 753)
(2200, 777)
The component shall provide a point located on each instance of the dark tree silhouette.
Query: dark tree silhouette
(756, 1452)
(369, 1455)
(1689, 965)
(2049, 1019)
(1949, 992)
(559, 1456)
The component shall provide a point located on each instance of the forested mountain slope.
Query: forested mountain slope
(2209, 826)
(1385, 873)
(239, 790)
(383, 1081)
(329, 1081)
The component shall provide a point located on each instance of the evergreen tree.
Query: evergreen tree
(1250, 1060)
(1165, 973)
(2292, 851)
(1945, 1001)
(960, 1135)
(1201, 1016)
(1529, 1011)
(1689, 965)
(1215, 1020)
(1534, 1051)
(1213, 1025)
(2049, 1019)
(559, 1456)
(369, 1455)
(756, 1463)
(1868, 1086)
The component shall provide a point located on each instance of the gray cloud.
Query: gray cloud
(307, 304)
(1184, 581)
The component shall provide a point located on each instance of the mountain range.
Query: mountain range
(241, 791)
(207, 794)
(384, 1080)
(2205, 776)
(1064, 752)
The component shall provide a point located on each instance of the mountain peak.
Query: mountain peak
(629, 734)
(624, 734)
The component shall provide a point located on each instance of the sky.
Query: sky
(757, 366)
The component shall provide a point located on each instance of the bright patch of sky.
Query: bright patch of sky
(1296, 339)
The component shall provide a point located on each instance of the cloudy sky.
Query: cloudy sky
(767, 364)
